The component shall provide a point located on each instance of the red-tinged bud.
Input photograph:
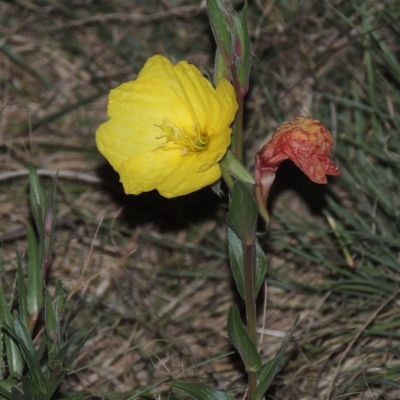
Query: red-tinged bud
(220, 13)
(242, 49)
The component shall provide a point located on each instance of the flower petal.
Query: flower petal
(170, 174)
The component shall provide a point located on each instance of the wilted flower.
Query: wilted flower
(306, 142)
(168, 129)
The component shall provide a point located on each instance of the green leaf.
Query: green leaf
(56, 377)
(54, 309)
(22, 291)
(200, 392)
(232, 165)
(49, 228)
(35, 283)
(59, 300)
(31, 390)
(18, 395)
(242, 214)
(237, 263)
(269, 370)
(29, 352)
(37, 200)
(240, 339)
(261, 268)
(6, 386)
(15, 361)
(50, 318)
(235, 247)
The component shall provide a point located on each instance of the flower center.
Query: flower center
(193, 141)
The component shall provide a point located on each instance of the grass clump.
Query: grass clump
(36, 352)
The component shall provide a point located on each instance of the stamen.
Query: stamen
(190, 142)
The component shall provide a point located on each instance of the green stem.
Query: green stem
(249, 249)
(250, 300)
(237, 140)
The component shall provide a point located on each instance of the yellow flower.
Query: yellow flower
(168, 129)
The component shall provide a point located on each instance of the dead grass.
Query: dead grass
(151, 275)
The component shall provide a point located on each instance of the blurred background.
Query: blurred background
(151, 274)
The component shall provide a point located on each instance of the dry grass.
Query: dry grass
(151, 275)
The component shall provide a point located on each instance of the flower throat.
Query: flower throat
(190, 142)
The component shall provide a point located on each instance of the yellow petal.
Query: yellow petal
(171, 175)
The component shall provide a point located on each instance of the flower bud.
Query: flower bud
(242, 49)
(221, 19)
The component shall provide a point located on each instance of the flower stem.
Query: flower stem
(249, 249)
(237, 140)
(250, 300)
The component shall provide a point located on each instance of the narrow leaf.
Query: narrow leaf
(50, 318)
(22, 291)
(200, 392)
(37, 200)
(237, 264)
(18, 395)
(35, 283)
(231, 164)
(269, 370)
(31, 390)
(4, 393)
(236, 260)
(242, 214)
(59, 300)
(56, 378)
(49, 228)
(29, 352)
(7, 385)
(261, 268)
(240, 339)
(14, 357)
